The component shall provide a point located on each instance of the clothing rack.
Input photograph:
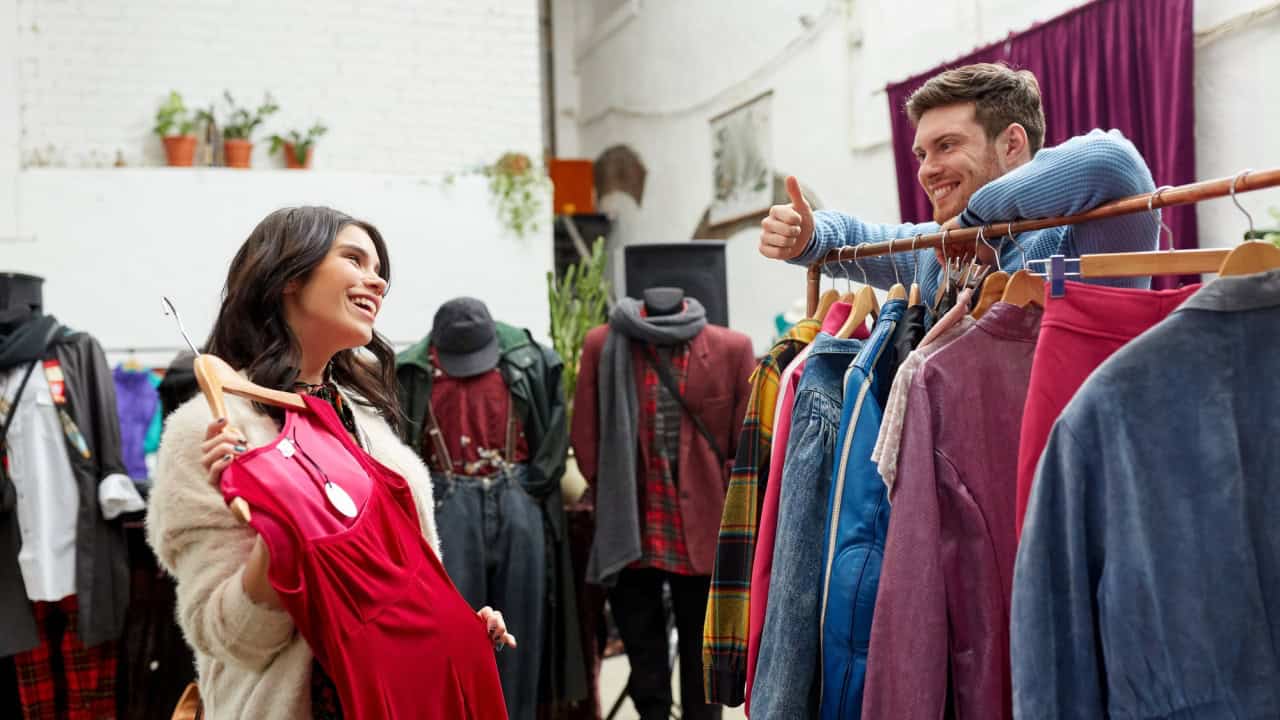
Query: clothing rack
(1167, 196)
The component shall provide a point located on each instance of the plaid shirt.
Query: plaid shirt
(662, 529)
(724, 636)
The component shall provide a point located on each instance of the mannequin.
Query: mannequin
(59, 598)
(20, 298)
(485, 411)
(659, 476)
(663, 301)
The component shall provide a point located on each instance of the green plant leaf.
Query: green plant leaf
(241, 122)
(172, 114)
(577, 301)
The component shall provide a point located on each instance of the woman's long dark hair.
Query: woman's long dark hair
(251, 333)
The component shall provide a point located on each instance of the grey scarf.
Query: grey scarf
(617, 540)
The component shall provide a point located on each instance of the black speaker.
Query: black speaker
(697, 267)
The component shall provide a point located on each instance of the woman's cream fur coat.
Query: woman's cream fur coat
(251, 661)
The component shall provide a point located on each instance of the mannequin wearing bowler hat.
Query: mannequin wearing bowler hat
(657, 453)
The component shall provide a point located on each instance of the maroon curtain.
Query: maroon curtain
(1124, 64)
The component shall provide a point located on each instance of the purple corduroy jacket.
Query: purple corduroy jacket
(941, 630)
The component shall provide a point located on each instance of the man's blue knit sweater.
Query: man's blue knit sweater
(1078, 175)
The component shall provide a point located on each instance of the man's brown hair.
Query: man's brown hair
(1000, 96)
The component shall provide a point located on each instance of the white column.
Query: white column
(564, 101)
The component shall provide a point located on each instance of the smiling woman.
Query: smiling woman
(301, 299)
(302, 293)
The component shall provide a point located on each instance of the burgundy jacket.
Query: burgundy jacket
(940, 637)
(716, 389)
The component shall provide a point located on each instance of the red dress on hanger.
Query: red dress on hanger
(366, 592)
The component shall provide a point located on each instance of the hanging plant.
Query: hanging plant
(517, 188)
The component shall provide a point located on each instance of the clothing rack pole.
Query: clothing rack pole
(1163, 197)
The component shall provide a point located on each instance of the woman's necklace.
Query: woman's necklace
(337, 497)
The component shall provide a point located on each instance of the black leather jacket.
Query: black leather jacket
(102, 568)
(532, 374)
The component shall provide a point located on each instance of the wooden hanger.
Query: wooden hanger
(992, 292)
(1156, 262)
(216, 378)
(865, 303)
(828, 299)
(1023, 289)
(1249, 257)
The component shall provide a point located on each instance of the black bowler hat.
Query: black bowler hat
(465, 338)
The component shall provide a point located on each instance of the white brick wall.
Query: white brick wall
(405, 86)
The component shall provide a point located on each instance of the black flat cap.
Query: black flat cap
(465, 337)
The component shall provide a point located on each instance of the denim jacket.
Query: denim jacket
(786, 682)
(857, 521)
(1147, 581)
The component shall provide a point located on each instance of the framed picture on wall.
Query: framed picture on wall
(742, 161)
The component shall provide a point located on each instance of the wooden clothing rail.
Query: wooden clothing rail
(1246, 181)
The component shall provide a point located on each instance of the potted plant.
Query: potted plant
(175, 125)
(237, 131)
(579, 301)
(298, 147)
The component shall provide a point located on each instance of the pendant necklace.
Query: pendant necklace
(338, 498)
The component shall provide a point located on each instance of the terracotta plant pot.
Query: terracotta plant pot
(291, 158)
(237, 152)
(180, 150)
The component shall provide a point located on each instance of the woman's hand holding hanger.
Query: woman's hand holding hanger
(223, 444)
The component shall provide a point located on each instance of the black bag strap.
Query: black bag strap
(13, 408)
(664, 374)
